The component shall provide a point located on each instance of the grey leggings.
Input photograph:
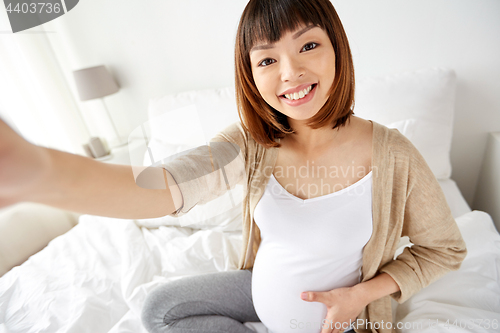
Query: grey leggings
(209, 303)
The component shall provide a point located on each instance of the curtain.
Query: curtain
(35, 98)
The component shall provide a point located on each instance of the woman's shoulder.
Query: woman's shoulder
(236, 134)
(391, 139)
(233, 133)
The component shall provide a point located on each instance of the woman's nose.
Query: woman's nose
(291, 69)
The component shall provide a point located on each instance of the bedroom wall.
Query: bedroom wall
(157, 47)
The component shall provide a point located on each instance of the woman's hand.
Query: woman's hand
(343, 304)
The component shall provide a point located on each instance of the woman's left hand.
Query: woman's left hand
(343, 306)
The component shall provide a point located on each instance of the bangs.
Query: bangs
(271, 19)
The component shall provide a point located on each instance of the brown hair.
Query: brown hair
(267, 20)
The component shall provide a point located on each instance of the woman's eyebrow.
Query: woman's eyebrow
(262, 47)
(299, 33)
(271, 45)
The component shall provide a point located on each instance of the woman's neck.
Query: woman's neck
(308, 141)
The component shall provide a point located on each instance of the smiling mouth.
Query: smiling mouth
(300, 94)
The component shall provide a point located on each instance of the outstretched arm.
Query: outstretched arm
(37, 174)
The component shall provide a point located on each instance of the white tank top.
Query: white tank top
(307, 245)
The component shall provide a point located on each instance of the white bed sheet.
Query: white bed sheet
(95, 277)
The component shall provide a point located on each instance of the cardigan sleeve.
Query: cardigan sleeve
(207, 172)
(438, 246)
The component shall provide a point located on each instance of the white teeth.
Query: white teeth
(300, 94)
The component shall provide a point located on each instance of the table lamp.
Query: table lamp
(97, 82)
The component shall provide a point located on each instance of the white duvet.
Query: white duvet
(95, 278)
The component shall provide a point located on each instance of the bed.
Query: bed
(95, 277)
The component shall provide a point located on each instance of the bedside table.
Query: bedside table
(487, 196)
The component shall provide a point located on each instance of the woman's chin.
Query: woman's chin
(301, 116)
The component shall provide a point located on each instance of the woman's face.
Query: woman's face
(295, 74)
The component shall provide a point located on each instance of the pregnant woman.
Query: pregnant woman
(328, 194)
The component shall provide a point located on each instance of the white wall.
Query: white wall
(152, 48)
(159, 47)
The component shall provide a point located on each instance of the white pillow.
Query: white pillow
(184, 121)
(26, 228)
(428, 97)
(204, 112)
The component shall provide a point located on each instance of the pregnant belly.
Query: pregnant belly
(279, 278)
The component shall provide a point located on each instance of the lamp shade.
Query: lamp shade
(94, 82)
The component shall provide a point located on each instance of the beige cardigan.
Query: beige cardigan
(407, 200)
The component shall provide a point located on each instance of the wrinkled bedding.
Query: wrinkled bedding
(95, 278)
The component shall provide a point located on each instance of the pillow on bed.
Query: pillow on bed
(428, 96)
(26, 228)
(184, 121)
(192, 116)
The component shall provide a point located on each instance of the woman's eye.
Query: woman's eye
(309, 46)
(266, 62)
